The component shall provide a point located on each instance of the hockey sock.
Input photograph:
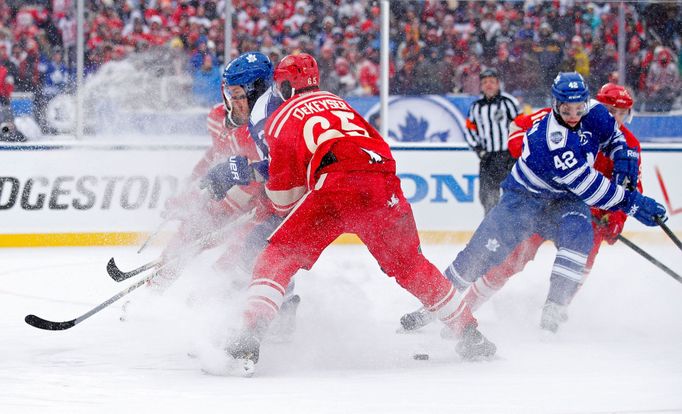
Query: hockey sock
(453, 311)
(265, 297)
(567, 275)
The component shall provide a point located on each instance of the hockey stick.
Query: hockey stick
(41, 323)
(669, 232)
(119, 275)
(152, 236)
(650, 258)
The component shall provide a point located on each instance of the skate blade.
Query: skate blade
(233, 368)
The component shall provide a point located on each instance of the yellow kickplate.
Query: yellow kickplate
(69, 239)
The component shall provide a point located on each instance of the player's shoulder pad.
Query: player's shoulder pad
(555, 134)
(597, 111)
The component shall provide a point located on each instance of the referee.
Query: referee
(487, 130)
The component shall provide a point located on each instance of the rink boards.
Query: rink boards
(68, 195)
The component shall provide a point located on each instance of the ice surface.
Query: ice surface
(620, 351)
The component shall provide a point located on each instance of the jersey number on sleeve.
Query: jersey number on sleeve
(566, 161)
(347, 129)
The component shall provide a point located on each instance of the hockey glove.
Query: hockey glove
(610, 226)
(235, 171)
(626, 167)
(643, 208)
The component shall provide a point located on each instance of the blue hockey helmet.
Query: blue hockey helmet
(570, 87)
(247, 68)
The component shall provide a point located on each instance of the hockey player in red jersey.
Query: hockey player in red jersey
(201, 215)
(330, 173)
(607, 224)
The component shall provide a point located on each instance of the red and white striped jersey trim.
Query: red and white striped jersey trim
(450, 307)
(267, 292)
(237, 199)
(285, 200)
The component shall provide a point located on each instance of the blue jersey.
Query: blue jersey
(558, 161)
(262, 109)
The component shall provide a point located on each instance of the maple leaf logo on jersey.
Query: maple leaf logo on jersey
(492, 245)
(392, 202)
(251, 58)
(585, 137)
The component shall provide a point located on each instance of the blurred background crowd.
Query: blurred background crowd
(436, 47)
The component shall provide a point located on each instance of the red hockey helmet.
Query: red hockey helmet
(615, 95)
(300, 71)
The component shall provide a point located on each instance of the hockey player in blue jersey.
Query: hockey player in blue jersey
(550, 191)
(262, 99)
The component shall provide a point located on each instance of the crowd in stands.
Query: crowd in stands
(436, 47)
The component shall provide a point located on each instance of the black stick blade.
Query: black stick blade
(114, 272)
(41, 323)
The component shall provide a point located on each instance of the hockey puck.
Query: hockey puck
(421, 357)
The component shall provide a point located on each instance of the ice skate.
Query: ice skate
(474, 346)
(552, 316)
(416, 320)
(284, 326)
(243, 353)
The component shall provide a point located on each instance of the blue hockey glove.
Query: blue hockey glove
(235, 171)
(261, 170)
(626, 167)
(645, 209)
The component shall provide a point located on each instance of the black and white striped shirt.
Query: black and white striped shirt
(488, 122)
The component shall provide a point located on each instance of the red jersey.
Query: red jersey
(228, 142)
(225, 142)
(315, 133)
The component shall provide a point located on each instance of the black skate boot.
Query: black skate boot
(473, 345)
(284, 326)
(244, 350)
(553, 315)
(416, 320)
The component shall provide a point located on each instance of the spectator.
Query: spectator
(368, 73)
(8, 74)
(325, 64)
(469, 81)
(663, 82)
(404, 82)
(431, 73)
(460, 33)
(604, 61)
(207, 80)
(56, 76)
(549, 54)
(576, 60)
(342, 79)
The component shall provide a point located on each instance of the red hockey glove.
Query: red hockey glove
(610, 226)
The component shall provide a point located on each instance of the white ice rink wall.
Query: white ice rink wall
(85, 194)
